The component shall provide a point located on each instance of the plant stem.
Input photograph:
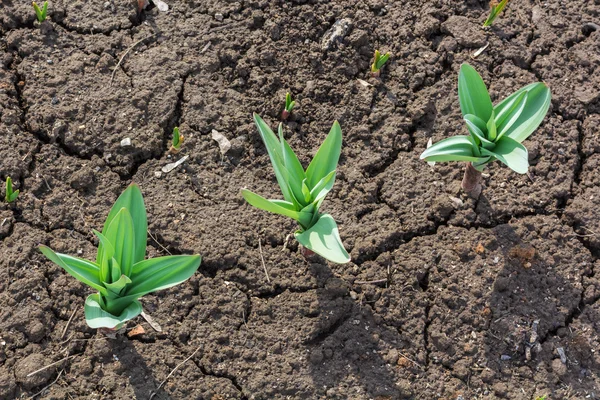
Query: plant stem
(471, 182)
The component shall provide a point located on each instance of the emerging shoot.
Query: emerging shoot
(40, 13)
(378, 62)
(120, 274)
(495, 132)
(495, 10)
(177, 140)
(10, 194)
(289, 106)
(304, 190)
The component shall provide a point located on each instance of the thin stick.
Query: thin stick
(372, 282)
(112, 76)
(50, 365)
(263, 261)
(68, 323)
(412, 361)
(173, 371)
(158, 243)
(47, 386)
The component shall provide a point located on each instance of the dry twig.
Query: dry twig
(47, 386)
(51, 365)
(112, 76)
(263, 261)
(173, 371)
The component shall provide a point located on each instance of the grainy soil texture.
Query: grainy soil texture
(446, 297)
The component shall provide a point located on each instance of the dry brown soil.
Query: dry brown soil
(446, 297)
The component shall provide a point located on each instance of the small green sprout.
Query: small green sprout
(289, 106)
(495, 132)
(544, 397)
(10, 194)
(495, 10)
(120, 274)
(378, 62)
(304, 191)
(40, 13)
(177, 141)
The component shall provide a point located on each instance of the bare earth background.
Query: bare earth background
(474, 299)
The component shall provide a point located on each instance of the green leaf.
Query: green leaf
(494, 12)
(307, 214)
(534, 111)
(118, 284)
(327, 156)
(96, 317)
(455, 148)
(472, 93)
(120, 233)
(84, 271)
(176, 142)
(382, 60)
(108, 253)
(295, 172)
(323, 187)
(275, 154)
(473, 125)
(491, 128)
(511, 153)
(132, 200)
(509, 109)
(324, 239)
(161, 273)
(10, 194)
(115, 270)
(260, 202)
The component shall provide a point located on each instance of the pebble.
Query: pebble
(505, 357)
(338, 31)
(126, 142)
(219, 17)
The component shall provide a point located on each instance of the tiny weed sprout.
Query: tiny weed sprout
(495, 10)
(120, 273)
(289, 106)
(177, 140)
(495, 132)
(40, 13)
(304, 191)
(378, 62)
(10, 194)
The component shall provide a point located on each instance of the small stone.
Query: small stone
(336, 34)
(126, 142)
(55, 100)
(219, 17)
(505, 357)
(157, 174)
(49, 61)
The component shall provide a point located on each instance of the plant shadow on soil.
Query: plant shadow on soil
(532, 305)
(140, 376)
(345, 348)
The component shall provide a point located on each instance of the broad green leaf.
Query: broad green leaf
(306, 193)
(115, 270)
(511, 153)
(120, 233)
(324, 239)
(455, 148)
(260, 202)
(534, 111)
(474, 128)
(84, 271)
(323, 187)
(293, 167)
(132, 200)
(491, 128)
(118, 285)
(275, 154)
(327, 156)
(161, 273)
(510, 109)
(472, 93)
(96, 317)
(306, 217)
(108, 252)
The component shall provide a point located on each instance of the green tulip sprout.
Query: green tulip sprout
(40, 13)
(177, 140)
(304, 191)
(495, 132)
(495, 10)
(378, 62)
(289, 106)
(120, 274)
(10, 194)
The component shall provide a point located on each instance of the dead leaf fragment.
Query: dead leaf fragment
(479, 249)
(224, 144)
(136, 331)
